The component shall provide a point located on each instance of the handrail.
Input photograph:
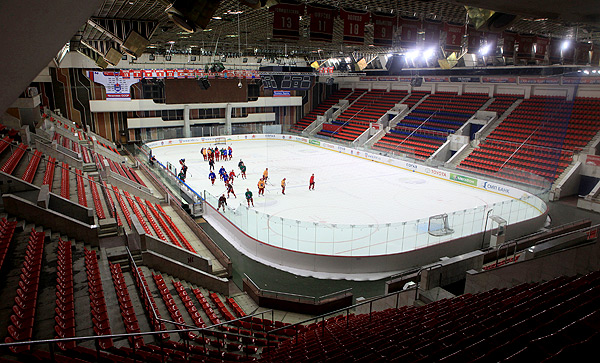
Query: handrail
(200, 197)
(332, 313)
(315, 299)
(419, 275)
(142, 165)
(533, 146)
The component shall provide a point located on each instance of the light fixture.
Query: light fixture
(412, 54)
(485, 49)
(429, 53)
(565, 44)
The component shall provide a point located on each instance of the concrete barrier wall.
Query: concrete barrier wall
(107, 153)
(204, 238)
(149, 243)
(125, 184)
(22, 208)
(12, 185)
(577, 260)
(50, 150)
(177, 269)
(302, 307)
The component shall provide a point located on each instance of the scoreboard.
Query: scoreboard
(292, 82)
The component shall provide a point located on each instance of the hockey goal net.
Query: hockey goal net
(220, 140)
(439, 226)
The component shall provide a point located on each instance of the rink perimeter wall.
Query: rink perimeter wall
(319, 265)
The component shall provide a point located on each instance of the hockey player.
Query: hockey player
(243, 170)
(240, 164)
(226, 178)
(283, 186)
(266, 174)
(217, 153)
(203, 152)
(211, 164)
(311, 182)
(212, 177)
(222, 172)
(224, 154)
(181, 176)
(184, 169)
(261, 187)
(231, 176)
(249, 197)
(229, 152)
(230, 190)
(222, 202)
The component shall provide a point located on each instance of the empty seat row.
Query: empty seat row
(22, 319)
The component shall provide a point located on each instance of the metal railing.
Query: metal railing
(297, 297)
(297, 326)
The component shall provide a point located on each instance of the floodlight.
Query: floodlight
(485, 49)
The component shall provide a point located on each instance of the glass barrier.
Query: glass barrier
(365, 240)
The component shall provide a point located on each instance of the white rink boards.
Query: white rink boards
(349, 190)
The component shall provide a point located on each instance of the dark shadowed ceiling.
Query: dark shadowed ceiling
(251, 29)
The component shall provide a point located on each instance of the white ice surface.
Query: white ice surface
(349, 190)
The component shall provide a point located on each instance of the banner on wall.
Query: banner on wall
(117, 87)
(541, 47)
(409, 31)
(525, 46)
(436, 79)
(383, 29)
(321, 21)
(491, 40)
(539, 80)
(454, 37)
(499, 79)
(581, 80)
(465, 79)
(508, 49)
(432, 29)
(582, 53)
(555, 50)
(473, 40)
(186, 73)
(354, 25)
(286, 20)
(592, 160)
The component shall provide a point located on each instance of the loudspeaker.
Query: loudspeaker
(203, 83)
(136, 43)
(499, 22)
(113, 56)
(416, 82)
(189, 14)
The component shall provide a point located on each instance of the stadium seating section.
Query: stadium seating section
(530, 322)
(539, 137)
(365, 110)
(426, 127)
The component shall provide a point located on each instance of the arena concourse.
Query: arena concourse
(302, 181)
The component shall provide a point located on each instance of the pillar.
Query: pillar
(186, 121)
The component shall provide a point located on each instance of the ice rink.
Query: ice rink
(349, 190)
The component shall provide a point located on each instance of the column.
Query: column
(228, 110)
(186, 121)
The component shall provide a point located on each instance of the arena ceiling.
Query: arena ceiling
(250, 30)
